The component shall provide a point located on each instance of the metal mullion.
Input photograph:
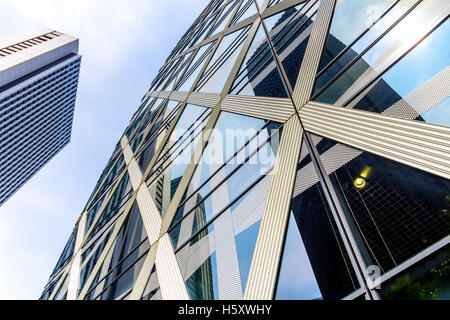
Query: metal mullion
(267, 11)
(117, 208)
(246, 22)
(185, 68)
(176, 144)
(103, 206)
(251, 33)
(95, 243)
(313, 52)
(162, 161)
(189, 132)
(169, 131)
(107, 247)
(156, 133)
(89, 204)
(226, 162)
(224, 180)
(163, 123)
(270, 223)
(224, 57)
(101, 195)
(219, 15)
(441, 244)
(220, 183)
(235, 17)
(189, 172)
(309, 18)
(120, 275)
(267, 253)
(437, 147)
(190, 69)
(68, 267)
(284, 78)
(425, 160)
(217, 215)
(380, 74)
(114, 267)
(373, 43)
(355, 255)
(141, 123)
(168, 162)
(172, 73)
(144, 274)
(256, 73)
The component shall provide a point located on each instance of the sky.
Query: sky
(123, 44)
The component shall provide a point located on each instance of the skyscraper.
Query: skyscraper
(326, 175)
(38, 85)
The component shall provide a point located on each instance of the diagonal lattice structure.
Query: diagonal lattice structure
(354, 196)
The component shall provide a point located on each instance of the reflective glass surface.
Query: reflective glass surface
(315, 263)
(194, 68)
(216, 74)
(258, 74)
(216, 261)
(289, 31)
(124, 260)
(152, 290)
(428, 279)
(362, 72)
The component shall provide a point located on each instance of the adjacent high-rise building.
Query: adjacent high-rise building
(325, 175)
(38, 84)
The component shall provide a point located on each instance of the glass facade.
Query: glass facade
(285, 150)
(36, 113)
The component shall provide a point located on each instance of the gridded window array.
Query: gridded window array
(336, 186)
(28, 43)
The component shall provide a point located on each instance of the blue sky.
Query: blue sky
(123, 43)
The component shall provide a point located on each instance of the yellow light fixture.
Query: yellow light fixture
(359, 182)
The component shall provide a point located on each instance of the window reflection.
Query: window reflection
(402, 89)
(315, 264)
(397, 211)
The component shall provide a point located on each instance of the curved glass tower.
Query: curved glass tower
(285, 150)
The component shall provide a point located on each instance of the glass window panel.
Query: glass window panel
(115, 204)
(61, 294)
(118, 167)
(179, 73)
(221, 64)
(223, 19)
(156, 134)
(195, 67)
(152, 290)
(67, 251)
(405, 90)
(239, 174)
(232, 132)
(395, 43)
(428, 279)
(48, 290)
(396, 211)
(190, 120)
(289, 32)
(258, 74)
(90, 257)
(216, 262)
(315, 263)
(170, 168)
(246, 10)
